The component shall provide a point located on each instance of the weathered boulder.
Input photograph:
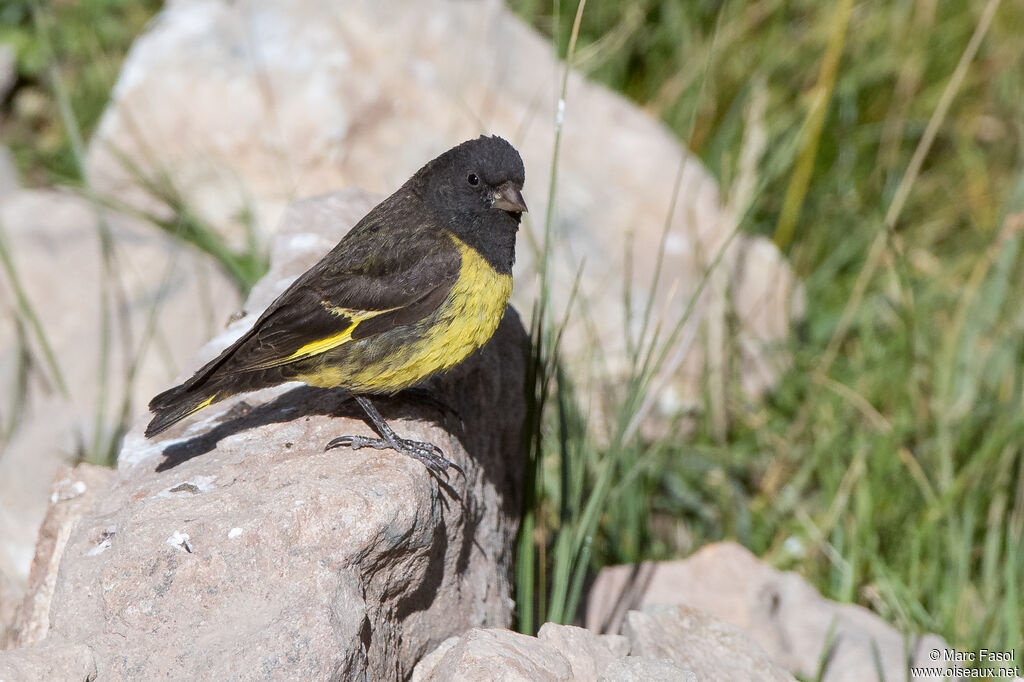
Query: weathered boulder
(588, 655)
(636, 669)
(698, 642)
(151, 307)
(779, 610)
(72, 495)
(234, 547)
(290, 98)
(674, 644)
(9, 181)
(74, 663)
(493, 654)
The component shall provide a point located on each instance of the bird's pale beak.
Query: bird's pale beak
(509, 198)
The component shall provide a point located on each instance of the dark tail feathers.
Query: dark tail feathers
(173, 405)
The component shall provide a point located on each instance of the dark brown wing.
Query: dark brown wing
(368, 284)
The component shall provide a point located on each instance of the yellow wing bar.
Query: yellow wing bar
(328, 342)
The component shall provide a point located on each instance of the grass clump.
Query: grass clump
(86, 43)
(887, 465)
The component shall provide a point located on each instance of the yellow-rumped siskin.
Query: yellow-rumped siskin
(413, 289)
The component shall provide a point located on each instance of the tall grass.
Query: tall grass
(85, 41)
(886, 466)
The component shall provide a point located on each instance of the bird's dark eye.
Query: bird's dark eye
(473, 179)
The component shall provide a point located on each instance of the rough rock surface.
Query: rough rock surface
(779, 610)
(494, 654)
(700, 643)
(72, 495)
(635, 669)
(9, 181)
(290, 98)
(674, 644)
(73, 663)
(164, 300)
(234, 547)
(588, 655)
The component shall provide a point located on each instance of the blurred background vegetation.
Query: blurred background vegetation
(887, 466)
(88, 40)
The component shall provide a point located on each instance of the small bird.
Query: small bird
(413, 289)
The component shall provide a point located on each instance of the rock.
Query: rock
(559, 652)
(73, 663)
(234, 547)
(9, 180)
(293, 98)
(588, 655)
(164, 301)
(780, 611)
(675, 645)
(634, 669)
(71, 496)
(705, 646)
(494, 654)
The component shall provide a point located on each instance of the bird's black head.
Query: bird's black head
(475, 191)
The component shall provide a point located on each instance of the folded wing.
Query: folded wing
(328, 307)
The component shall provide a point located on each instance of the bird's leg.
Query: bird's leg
(429, 454)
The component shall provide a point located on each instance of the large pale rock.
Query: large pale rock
(240, 106)
(163, 300)
(234, 547)
(494, 654)
(72, 495)
(74, 663)
(588, 655)
(558, 652)
(674, 645)
(700, 643)
(9, 180)
(781, 611)
(635, 669)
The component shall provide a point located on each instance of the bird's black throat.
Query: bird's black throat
(493, 236)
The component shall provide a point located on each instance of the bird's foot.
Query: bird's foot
(430, 455)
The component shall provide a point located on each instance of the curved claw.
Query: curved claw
(355, 442)
(338, 442)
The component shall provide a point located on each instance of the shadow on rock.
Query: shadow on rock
(305, 401)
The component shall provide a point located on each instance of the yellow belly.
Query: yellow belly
(464, 322)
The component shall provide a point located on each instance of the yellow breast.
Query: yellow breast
(465, 321)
